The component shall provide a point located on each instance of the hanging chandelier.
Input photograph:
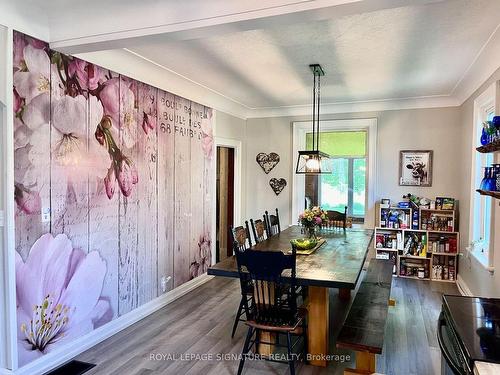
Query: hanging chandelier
(314, 161)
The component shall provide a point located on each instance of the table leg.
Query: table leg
(318, 319)
(344, 294)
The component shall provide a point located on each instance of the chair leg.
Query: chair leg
(245, 350)
(237, 318)
(304, 337)
(291, 362)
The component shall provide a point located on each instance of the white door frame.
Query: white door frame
(237, 146)
(301, 128)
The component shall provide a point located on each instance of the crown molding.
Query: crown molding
(486, 62)
(358, 106)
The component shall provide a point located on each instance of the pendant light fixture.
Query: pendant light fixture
(314, 161)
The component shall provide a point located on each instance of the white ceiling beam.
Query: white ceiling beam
(94, 31)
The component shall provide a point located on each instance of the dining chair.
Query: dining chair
(267, 313)
(259, 229)
(337, 219)
(241, 243)
(272, 223)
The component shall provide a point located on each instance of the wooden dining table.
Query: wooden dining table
(336, 264)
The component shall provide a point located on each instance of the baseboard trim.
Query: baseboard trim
(66, 353)
(462, 287)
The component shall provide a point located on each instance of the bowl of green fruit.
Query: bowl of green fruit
(304, 243)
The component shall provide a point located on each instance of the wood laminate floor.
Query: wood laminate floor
(200, 324)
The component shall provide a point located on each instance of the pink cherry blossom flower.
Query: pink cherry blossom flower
(128, 117)
(148, 122)
(19, 43)
(127, 176)
(58, 296)
(28, 201)
(36, 80)
(110, 98)
(21, 134)
(37, 112)
(207, 139)
(87, 74)
(110, 182)
(203, 258)
(18, 102)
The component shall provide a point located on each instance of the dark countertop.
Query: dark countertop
(336, 264)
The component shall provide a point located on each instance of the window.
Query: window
(481, 206)
(346, 186)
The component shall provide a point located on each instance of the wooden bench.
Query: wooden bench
(363, 329)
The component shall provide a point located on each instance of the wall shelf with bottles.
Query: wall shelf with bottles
(494, 194)
(489, 147)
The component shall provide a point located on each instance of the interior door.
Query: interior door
(225, 201)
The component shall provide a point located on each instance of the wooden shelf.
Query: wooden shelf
(490, 147)
(494, 194)
(413, 277)
(442, 231)
(386, 249)
(414, 257)
(437, 210)
(444, 280)
(383, 228)
(448, 254)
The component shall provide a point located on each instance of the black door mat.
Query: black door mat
(72, 368)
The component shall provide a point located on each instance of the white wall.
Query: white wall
(435, 129)
(479, 280)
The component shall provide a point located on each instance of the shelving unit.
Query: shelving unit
(437, 250)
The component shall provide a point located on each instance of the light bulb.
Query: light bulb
(312, 164)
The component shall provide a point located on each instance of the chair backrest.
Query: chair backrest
(272, 223)
(337, 219)
(265, 269)
(241, 237)
(259, 229)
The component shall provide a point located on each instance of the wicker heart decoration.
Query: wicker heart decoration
(277, 185)
(267, 161)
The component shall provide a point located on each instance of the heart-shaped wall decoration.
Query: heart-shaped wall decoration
(267, 161)
(277, 185)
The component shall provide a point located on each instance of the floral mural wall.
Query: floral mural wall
(113, 194)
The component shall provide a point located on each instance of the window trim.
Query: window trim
(488, 100)
(300, 128)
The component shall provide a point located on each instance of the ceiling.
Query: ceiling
(405, 52)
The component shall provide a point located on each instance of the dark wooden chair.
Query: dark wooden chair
(241, 243)
(267, 312)
(259, 229)
(337, 219)
(272, 223)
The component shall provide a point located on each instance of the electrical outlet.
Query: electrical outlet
(45, 214)
(164, 282)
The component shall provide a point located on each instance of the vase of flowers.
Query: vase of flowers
(311, 219)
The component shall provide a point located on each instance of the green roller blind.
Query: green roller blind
(340, 143)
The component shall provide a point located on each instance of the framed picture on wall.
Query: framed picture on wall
(415, 168)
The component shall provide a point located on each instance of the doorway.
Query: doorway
(224, 201)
